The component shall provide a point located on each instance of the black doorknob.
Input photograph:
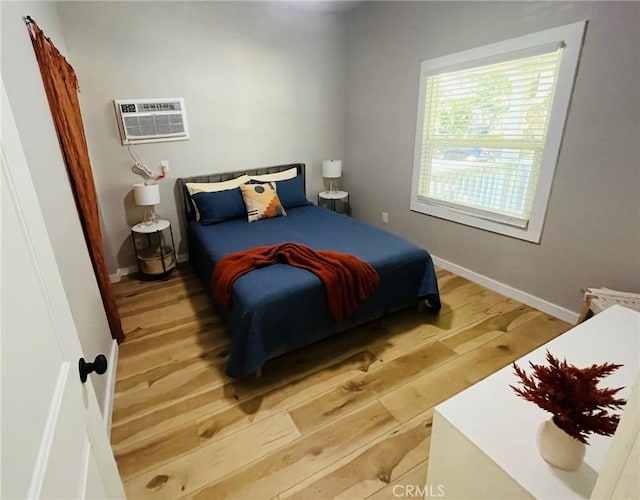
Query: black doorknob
(99, 366)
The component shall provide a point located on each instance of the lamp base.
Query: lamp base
(149, 216)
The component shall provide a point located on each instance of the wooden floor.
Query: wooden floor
(348, 417)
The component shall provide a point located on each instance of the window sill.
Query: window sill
(530, 233)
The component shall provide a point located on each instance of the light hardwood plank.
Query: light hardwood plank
(173, 292)
(507, 319)
(364, 388)
(151, 320)
(189, 341)
(406, 486)
(411, 332)
(289, 380)
(167, 385)
(187, 473)
(406, 355)
(135, 432)
(144, 445)
(372, 467)
(304, 457)
(447, 380)
(182, 427)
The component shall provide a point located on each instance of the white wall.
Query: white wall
(592, 232)
(263, 84)
(25, 89)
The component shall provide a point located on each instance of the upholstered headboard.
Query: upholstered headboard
(225, 176)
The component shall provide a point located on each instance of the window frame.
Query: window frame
(571, 38)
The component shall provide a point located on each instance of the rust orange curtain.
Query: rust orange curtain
(61, 86)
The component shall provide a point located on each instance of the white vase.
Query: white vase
(558, 448)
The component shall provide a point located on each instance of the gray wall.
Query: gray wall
(29, 104)
(267, 84)
(592, 232)
(263, 84)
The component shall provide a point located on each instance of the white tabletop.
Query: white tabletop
(336, 195)
(152, 227)
(504, 426)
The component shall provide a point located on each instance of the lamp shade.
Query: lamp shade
(146, 194)
(331, 169)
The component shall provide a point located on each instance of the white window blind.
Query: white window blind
(489, 129)
(484, 134)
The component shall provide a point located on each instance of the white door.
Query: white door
(54, 441)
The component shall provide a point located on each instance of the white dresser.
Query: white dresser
(483, 443)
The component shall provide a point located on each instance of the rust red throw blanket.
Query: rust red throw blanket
(346, 279)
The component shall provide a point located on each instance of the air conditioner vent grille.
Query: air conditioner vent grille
(148, 126)
(151, 120)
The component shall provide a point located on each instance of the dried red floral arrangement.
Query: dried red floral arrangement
(570, 394)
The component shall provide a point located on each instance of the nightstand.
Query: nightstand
(336, 201)
(154, 247)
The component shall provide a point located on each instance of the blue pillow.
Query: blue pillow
(220, 206)
(290, 192)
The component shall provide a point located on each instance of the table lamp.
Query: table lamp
(332, 169)
(147, 195)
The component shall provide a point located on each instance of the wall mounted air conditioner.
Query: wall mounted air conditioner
(151, 120)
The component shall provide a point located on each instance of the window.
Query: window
(490, 123)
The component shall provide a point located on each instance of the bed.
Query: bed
(279, 308)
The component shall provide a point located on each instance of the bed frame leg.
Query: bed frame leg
(422, 306)
(259, 373)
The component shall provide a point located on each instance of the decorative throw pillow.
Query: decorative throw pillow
(210, 187)
(261, 201)
(219, 206)
(290, 191)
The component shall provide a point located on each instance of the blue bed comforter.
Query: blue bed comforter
(279, 308)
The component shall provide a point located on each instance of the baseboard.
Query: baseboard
(115, 278)
(508, 291)
(125, 271)
(110, 389)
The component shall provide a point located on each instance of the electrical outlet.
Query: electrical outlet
(164, 165)
(385, 217)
